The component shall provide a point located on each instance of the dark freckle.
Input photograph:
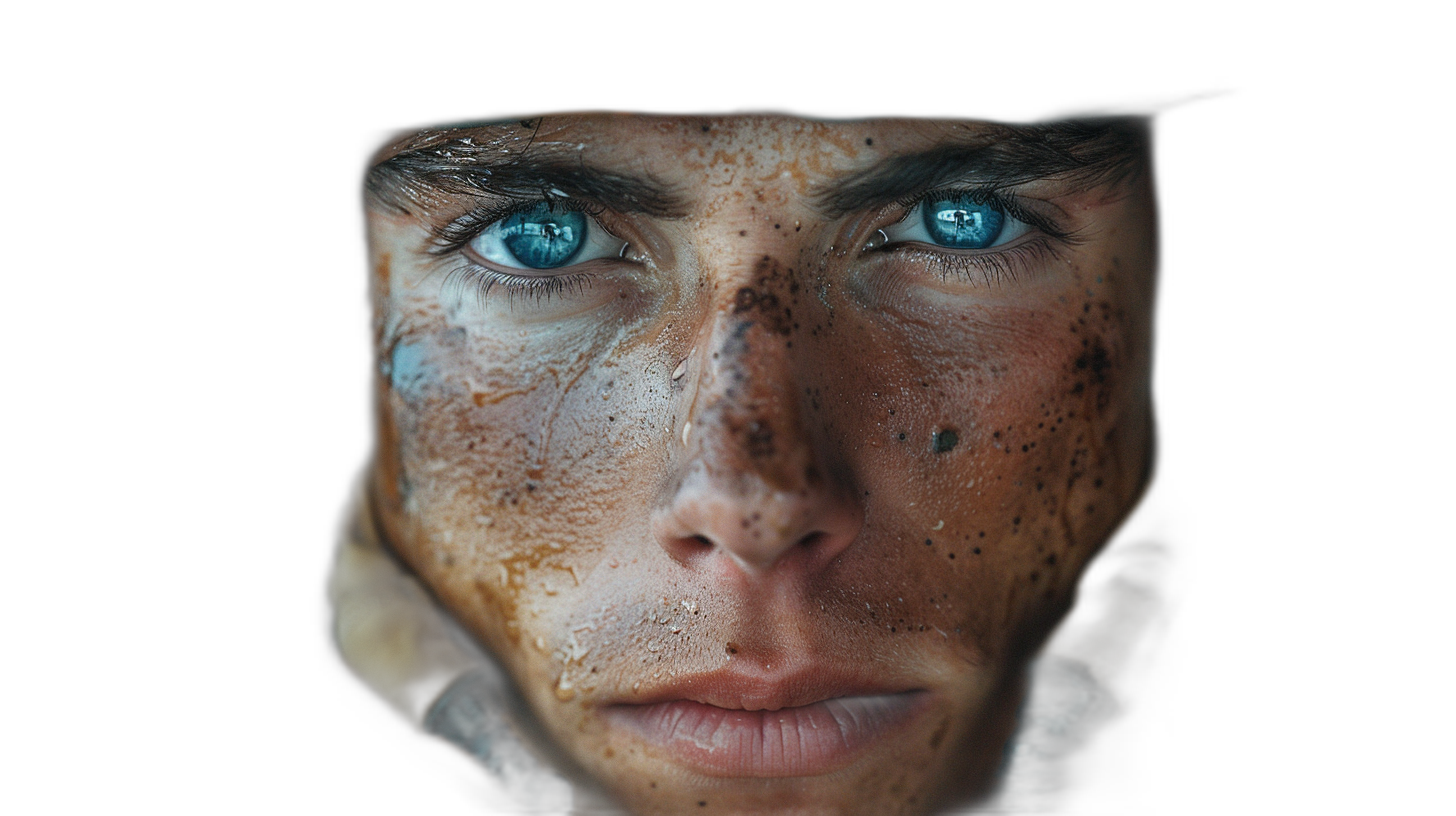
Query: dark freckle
(869, 142)
(1016, 520)
(731, 648)
(928, 542)
(902, 437)
(1096, 482)
(952, 556)
(611, 419)
(944, 441)
(996, 434)
(776, 226)
(702, 804)
(1095, 360)
(1025, 448)
(976, 551)
(982, 534)
(1051, 560)
(705, 130)
(743, 232)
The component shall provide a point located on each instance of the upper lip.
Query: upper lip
(737, 687)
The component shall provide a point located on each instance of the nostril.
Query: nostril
(687, 549)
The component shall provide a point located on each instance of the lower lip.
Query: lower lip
(802, 741)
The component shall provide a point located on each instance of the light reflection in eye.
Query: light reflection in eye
(957, 221)
(544, 237)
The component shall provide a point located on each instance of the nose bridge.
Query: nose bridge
(755, 485)
(750, 418)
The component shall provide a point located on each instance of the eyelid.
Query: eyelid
(457, 233)
(1025, 209)
(476, 276)
(1022, 257)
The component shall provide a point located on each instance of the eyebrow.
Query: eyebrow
(461, 162)
(1087, 152)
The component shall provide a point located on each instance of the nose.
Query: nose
(754, 487)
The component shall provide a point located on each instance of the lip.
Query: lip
(730, 725)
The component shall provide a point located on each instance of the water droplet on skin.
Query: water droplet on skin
(564, 690)
(687, 429)
(938, 525)
(681, 369)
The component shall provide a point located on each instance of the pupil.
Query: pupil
(542, 239)
(961, 223)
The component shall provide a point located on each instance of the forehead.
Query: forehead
(694, 142)
(697, 157)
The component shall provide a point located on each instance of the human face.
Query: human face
(762, 452)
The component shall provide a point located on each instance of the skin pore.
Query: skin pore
(767, 496)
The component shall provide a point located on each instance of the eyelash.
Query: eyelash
(992, 266)
(450, 239)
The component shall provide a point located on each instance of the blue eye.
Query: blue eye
(961, 223)
(956, 221)
(544, 237)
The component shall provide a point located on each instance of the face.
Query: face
(762, 452)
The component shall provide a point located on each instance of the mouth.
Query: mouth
(730, 726)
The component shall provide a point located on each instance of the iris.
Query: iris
(960, 222)
(542, 239)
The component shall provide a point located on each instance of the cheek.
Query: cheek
(503, 466)
(997, 449)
